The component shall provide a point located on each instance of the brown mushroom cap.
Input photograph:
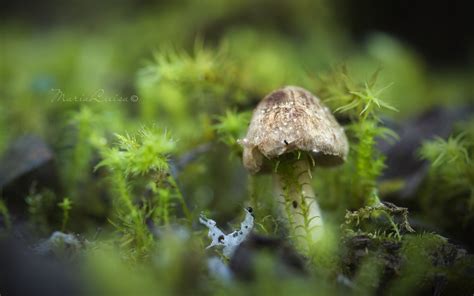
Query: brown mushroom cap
(292, 119)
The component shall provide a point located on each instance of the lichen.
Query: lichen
(230, 241)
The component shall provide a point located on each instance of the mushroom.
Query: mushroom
(290, 132)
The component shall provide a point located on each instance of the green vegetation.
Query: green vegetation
(361, 102)
(451, 176)
(66, 206)
(145, 139)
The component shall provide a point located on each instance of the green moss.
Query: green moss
(231, 127)
(451, 174)
(144, 188)
(40, 205)
(197, 69)
(361, 102)
(65, 205)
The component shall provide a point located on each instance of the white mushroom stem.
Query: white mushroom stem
(292, 184)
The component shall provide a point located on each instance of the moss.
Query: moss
(40, 205)
(195, 72)
(451, 169)
(66, 206)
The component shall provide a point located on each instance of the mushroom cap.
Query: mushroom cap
(292, 119)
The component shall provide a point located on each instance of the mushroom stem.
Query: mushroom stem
(292, 185)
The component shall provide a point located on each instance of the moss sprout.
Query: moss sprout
(137, 159)
(66, 206)
(451, 172)
(362, 103)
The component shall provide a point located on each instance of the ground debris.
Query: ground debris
(25, 155)
(59, 244)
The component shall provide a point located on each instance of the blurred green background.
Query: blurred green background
(121, 50)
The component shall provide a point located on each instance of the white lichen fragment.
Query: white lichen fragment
(219, 269)
(230, 241)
